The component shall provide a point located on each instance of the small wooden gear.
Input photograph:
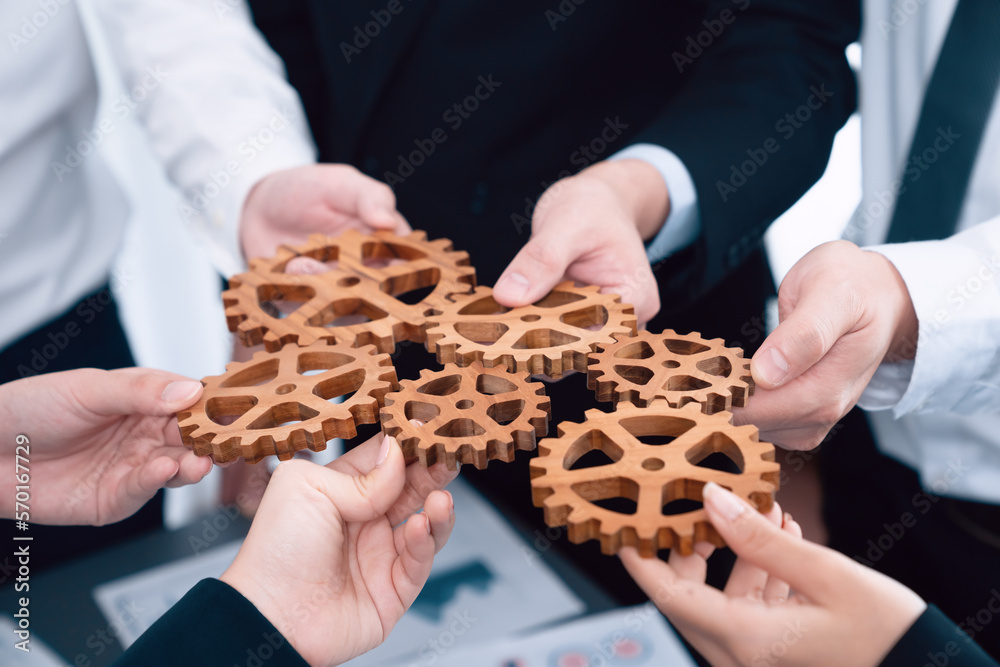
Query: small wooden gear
(652, 476)
(549, 337)
(279, 402)
(471, 415)
(367, 273)
(679, 368)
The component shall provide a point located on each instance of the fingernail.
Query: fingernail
(427, 521)
(724, 502)
(383, 451)
(514, 284)
(786, 519)
(771, 366)
(451, 501)
(181, 391)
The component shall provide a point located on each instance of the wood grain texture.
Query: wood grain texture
(549, 337)
(648, 476)
(355, 300)
(279, 402)
(470, 415)
(680, 368)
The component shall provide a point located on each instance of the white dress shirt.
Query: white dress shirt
(938, 413)
(212, 99)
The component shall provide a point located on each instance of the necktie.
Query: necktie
(955, 110)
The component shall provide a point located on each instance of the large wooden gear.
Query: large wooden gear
(679, 368)
(367, 272)
(651, 476)
(549, 337)
(280, 402)
(470, 415)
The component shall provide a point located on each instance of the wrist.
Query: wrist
(903, 345)
(641, 188)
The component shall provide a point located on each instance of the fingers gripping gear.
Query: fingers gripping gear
(471, 415)
(356, 301)
(648, 478)
(679, 368)
(550, 336)
(279, 402)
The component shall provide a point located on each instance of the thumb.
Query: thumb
(807, 567)
(377, 206)
(803, 338)
(133, 391)
(363, 497)
(534, 271)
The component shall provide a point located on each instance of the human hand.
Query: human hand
(328, 559)
(101, 443)
(287, 206)
(839, 613)
(590, 228)
(843, 312)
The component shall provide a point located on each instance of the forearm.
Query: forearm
(730, 124)
(214, 102)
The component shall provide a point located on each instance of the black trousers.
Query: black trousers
(878, 514)
(87, 335)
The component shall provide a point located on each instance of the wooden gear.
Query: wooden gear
(548, 337)
(471, 415)
(679, 368)
(269, 405)
(366, 275)
(649, 475)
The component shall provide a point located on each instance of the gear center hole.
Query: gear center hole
(285, 389)
(464, 404)
(653, 464)
(530, 318)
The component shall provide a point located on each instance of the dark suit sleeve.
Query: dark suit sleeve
(933, 639)
(211, 625)
(771, 60)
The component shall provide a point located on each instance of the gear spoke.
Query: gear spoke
(651, 474)
(290, 397)
(351, 281)
(659, 372)
(534, 339)
(463, 430)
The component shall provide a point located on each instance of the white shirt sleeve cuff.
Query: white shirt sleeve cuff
(683, 224)
(955, 369)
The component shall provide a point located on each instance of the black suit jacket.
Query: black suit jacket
(545, 88)
(211, 625)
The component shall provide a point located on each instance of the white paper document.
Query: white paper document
(486, 582)
(630, 637)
